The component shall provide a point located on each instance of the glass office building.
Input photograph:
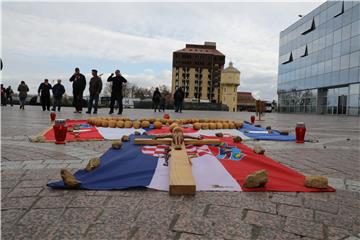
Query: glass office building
(319, 61)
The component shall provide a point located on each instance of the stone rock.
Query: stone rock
(284, 132)
(219, 134)
(69, 179)
(116, 145)
(239, 124)
(316, 181)
(92, 164)
(37, 139)
(256, 179)
(237, 139)
(258, 149)
(125, 138)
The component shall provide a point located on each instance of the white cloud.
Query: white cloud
(247, 33)
(32, 35)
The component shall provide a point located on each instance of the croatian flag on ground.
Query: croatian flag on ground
(215, 168)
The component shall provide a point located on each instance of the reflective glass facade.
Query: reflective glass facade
(319, 61)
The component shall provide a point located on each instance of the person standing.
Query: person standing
(178, 99)
(44, 93)
(58, 91)
(156, 99)
(9, 94)
(94, 90)
(79, 84)
(162, 102)
(3, 95)
(23, 90)
(116, 91)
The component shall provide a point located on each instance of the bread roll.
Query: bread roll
(136, 124)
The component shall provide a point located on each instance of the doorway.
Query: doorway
(342, 104)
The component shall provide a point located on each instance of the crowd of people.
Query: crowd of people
(78, 86)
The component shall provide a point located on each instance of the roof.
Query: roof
(245, 96)
(200, 49)
(231, 69)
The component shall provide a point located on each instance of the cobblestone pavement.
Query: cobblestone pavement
(30, 210)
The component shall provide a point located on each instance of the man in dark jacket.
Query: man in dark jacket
(9, 94)
(156, 99)
(23, 90)
(116, 91)
(94, 90)
(58, 91)
(44, 93)
(178, 99)
(79, 84)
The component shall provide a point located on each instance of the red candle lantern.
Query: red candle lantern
(166, 116)
(252, 119)
(60, 130)
(52, 116)
(300, 132)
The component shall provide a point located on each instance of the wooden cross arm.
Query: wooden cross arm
(167, 141)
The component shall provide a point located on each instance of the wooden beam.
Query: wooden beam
(149, 141)
(202, 141)
(182, 181)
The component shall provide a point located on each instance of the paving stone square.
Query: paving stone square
(31, 210)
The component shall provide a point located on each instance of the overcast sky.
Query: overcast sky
(47, 40)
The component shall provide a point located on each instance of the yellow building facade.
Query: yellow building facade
(230, 80)
(197, 70)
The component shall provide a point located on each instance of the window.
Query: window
(339, 9)
(288, 58)
(309, 27)
(305, 51)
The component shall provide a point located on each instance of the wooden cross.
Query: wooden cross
(181, 178)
